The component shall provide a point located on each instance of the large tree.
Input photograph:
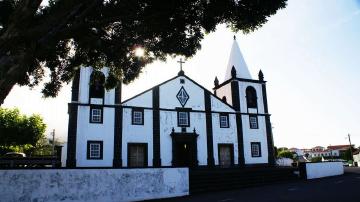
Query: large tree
(17, 129)
(66, 34)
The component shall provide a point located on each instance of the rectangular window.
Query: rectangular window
(94, 150)
(137, 155)
(183, 119)
(253, 122)
(224, 121)
(96, 114)
(255, 149)
(138, 116)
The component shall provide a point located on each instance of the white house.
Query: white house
(175, 123)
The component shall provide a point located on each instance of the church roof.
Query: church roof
(237, 61)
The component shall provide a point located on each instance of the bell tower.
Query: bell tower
(248, 97)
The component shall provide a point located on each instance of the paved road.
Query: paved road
(332, 189)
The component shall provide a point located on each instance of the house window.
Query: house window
(251, 98)
(138, 117)
(183, 119)
(137, 155)
(96, 114)
(253, 122)
(94, 150)
(224, 121)
(255, 149)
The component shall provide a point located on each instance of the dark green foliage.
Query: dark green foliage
(17, 129)
(286, 154)
(316, 159)
(68, 33)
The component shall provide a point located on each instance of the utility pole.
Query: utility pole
(53, 142)
(350, 147)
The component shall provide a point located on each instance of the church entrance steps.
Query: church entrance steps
(217, 179)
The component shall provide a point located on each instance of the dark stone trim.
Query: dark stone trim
(163, 109)
(118, 94)
(90, 114)
(117, 161)
(72, 128)
(145, 145)
(209, 130)
(137, 109)
(239, 127)
(231, 152)
(227, 116)
(75, 86)
(269, 135)
(156, 127)
(255, 143)
(257, 121)
(237, 79)
(88, 149)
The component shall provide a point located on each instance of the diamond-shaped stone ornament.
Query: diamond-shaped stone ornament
(182, 96)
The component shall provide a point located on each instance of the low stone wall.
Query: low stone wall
(93, 184)
(323, 169)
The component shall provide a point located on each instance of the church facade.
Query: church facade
(175, 123)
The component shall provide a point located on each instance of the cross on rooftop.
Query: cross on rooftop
(181, 62)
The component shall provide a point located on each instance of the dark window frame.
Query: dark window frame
(185, 110)
(227, 118)
(257, 122)
(145, 145)
(89, 142)
(133, 110)
(259, 145)
(91, 114)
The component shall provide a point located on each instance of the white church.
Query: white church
(177, 123)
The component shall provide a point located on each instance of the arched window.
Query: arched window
(251, 98)
(97, 80)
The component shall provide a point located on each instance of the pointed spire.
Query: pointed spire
(237, 61)
(261, 76)
(216, 82)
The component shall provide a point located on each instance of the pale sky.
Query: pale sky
(309, 53)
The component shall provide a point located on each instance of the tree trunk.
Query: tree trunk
(12, 71)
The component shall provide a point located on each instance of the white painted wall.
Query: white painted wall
(225, 91)
(93, 184)
(168, 120)
(284, 162)
(143, 100)
(254, 135)
(324, 169)
(169, 90)
(87, 131)
(224, 136)
(137, 133)
(64, 155)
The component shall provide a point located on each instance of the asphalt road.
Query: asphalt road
(331, 189)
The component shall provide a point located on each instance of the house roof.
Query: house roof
(237, 61)
(336, 147)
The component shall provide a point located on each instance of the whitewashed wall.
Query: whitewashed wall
(93, 184)
(169, 90)
(225, 91)
(324, 169)
(254, 135)
(242, 92)
(137, 133)
(87, 131)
